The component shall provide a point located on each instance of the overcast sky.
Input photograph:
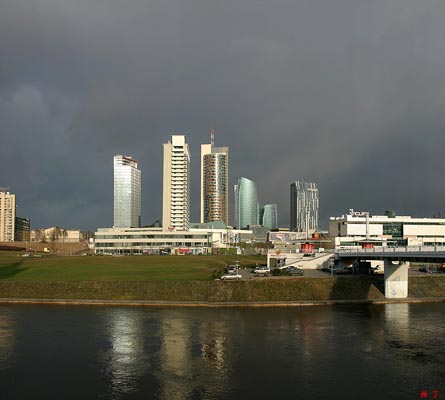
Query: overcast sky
(349, 94)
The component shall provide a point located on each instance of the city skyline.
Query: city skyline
(348, 95)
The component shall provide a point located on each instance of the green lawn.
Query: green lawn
(14, 267)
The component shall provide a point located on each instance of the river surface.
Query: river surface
(392, 351)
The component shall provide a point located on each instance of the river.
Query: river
(392, 351)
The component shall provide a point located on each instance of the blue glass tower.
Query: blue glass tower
(246, 204)
(269, 216)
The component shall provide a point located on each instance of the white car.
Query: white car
(263, 270)
(236, 277)
(231, 269)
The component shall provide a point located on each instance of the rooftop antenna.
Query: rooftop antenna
(212, 137)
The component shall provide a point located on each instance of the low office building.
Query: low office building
(57, 235)
(365, 230)
(151, 241)
(133, 241)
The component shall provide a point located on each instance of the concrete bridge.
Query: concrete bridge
(396, 261)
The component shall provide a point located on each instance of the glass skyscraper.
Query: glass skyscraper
(269, 216)
(304, 207)
(246, 204)
(127, 193)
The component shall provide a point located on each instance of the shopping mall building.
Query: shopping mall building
(363, 229)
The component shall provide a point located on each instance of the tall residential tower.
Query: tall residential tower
(7, 216)
(246, 204)
(176, 184)
(214, 183)
(127, 193)
(304, 207)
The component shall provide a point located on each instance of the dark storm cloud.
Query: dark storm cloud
(346, 93)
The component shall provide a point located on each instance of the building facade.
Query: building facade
(365, 230)
(56, 235)
(7, 216)
(132, 241)
(155, 241)
(246, 204)
(269, 216)
(304, 207)
(127, 192)
(176, 184)
(214, 184)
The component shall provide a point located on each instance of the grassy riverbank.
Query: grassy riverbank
(15, 267)
(180, 279)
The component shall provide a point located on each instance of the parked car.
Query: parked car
(228, 277)
(231, 269)
(294, 271)
(343, 271)
(378, 270)
(262, 270)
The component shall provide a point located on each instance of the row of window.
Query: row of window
(129, 237)
(144, 244)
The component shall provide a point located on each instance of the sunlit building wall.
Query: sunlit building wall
(127, 192)
(353, 229)
(176, 184)
(7, 217)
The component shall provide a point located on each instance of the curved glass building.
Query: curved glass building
(246, 204)
(269, 216)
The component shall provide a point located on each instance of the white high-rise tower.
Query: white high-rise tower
(176, 184)
(7, 216)
(127, 193)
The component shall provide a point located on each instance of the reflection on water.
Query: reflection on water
(350, 352)
(175, 357)
(192, 356)
(7, 331)
(213, 345)
(397, 320)
(126, 358)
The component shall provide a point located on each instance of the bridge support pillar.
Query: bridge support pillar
(396, 279)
